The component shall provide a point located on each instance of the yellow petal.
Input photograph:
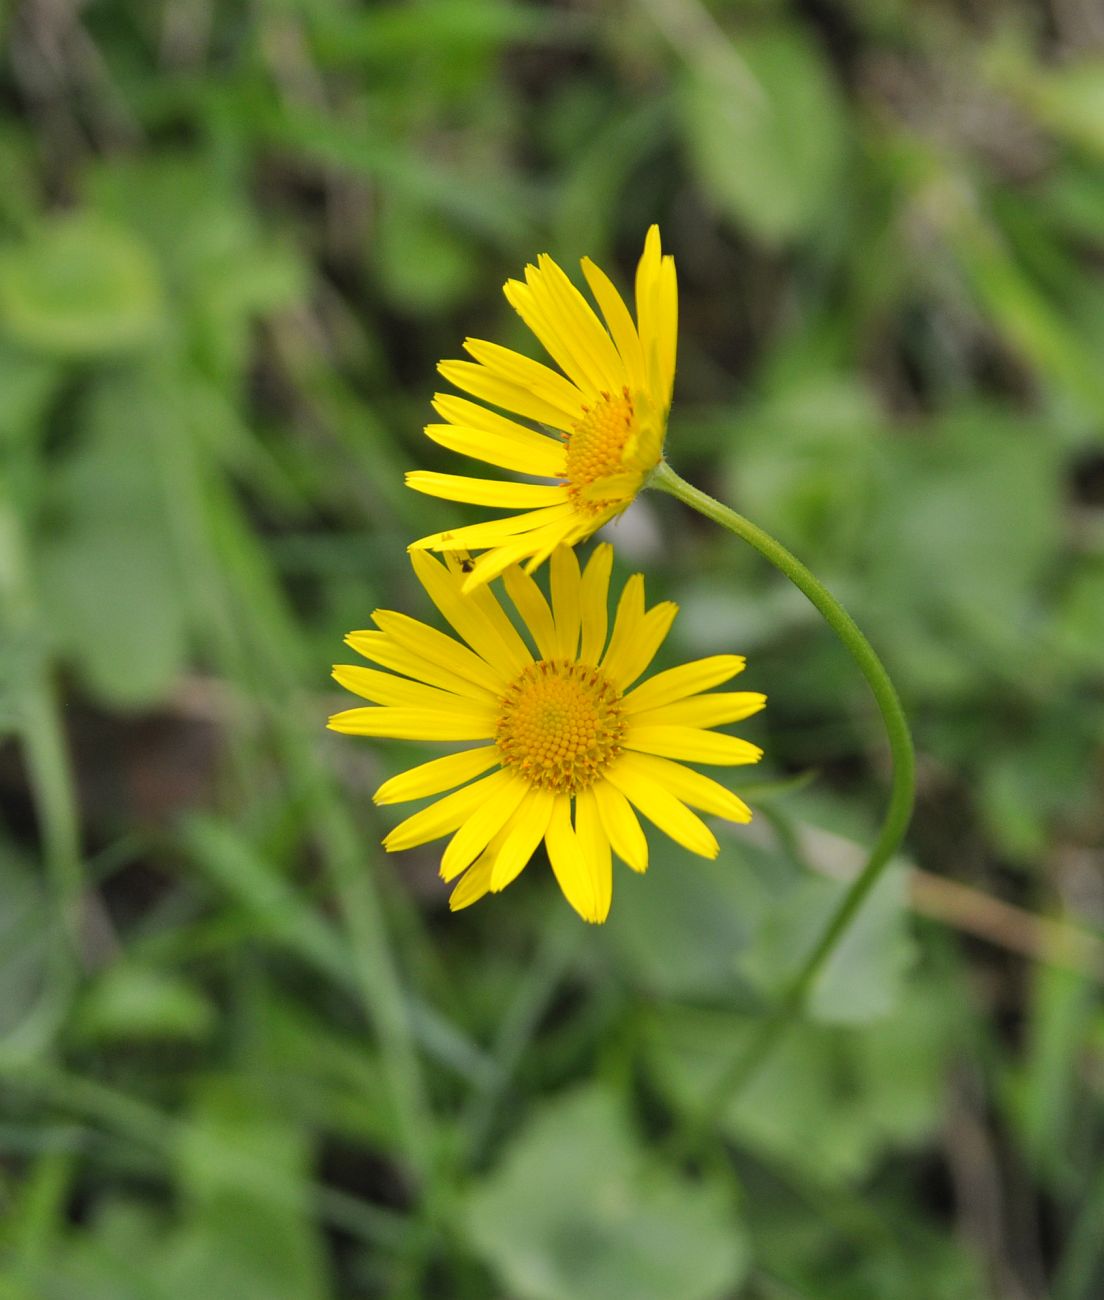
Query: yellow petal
(473, 884)
(481, 383)
(444, 816)
(648, 307)
(715, 710)
(620, 323)
(538, 454)
(464, 722)
(594, 597)
(671, 815)
(494, 639)
(693, 788)
(566, 609)
(521, 370)
(526, 832)
(567, 861)
(381, 649)
(578, 328)
(541, 541)
(481, 827)
(386, 688)
(630, 612)
(484, 491)
(484, 599)
(595, 847)
(533, 608)
(428, 644)
(560, 323)
(437, 775)
(686, 679)
(667, 325)
(621, 826)
(692, 744)
(581, 527)
(634, 652)
(474, 537)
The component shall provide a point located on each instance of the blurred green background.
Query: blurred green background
(244, 1056)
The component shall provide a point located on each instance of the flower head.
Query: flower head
(565, 746)
(605, 415)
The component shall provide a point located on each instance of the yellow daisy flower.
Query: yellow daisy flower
(566, 746)
(605, 415)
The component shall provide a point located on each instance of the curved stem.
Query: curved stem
(741, 1069)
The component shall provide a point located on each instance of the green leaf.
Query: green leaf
(944, 533)
(129, 1001)
(422, 264)
(680, 929)
(767, 140)
(28, 385)
(799, 1109)
(80, 287)
(244, 1172)
(740, 927)
(577, 1211)
(1040, 778)
(829, 1100)
(862, 978)
(1080, 621)
(805, 460)
(113, 595)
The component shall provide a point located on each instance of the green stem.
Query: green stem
(745, 1065)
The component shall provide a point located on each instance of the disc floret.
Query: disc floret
(596, 445)
(560, 725)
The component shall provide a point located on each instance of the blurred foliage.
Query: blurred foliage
(241, 1054)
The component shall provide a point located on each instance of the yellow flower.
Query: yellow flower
(606, 414)
(569, 746)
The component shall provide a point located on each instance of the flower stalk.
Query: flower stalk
(742, 1068)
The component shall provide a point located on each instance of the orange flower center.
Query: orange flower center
(560, 725)
(596, 444)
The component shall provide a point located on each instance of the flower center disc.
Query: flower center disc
(596, 444)
(560, 725)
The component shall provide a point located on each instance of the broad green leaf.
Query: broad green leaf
(680, 930)
(967, 524)
(422, 264)
(799, 1109)
(739, 928)
(114, 601)
(805, 459)
(80, 287)
(765, 131)
(829, 1100)
(862, 978)
(576, 1210)
(115, 614)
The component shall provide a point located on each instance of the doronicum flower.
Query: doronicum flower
(600, 424)
(566, 749)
